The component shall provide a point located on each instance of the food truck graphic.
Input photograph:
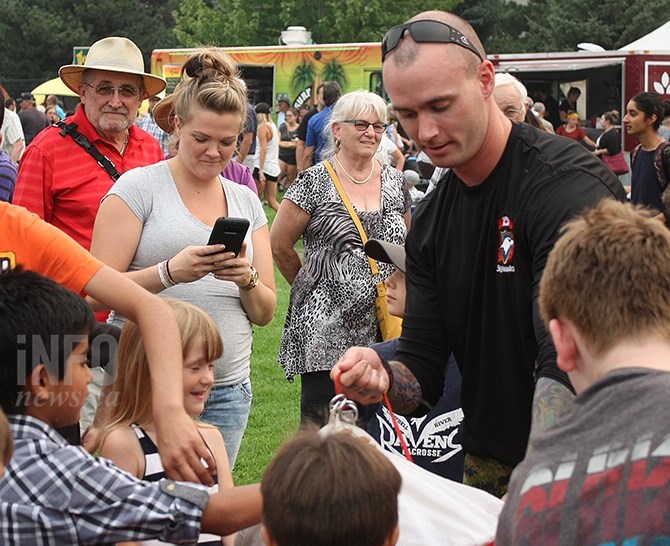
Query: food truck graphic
(289, 72)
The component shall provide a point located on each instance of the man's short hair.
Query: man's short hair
(609, 274)
(407, 51)
(334, 489)
(331, 92)
(539, 107)
(40, 320)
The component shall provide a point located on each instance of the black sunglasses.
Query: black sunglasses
(426, 30)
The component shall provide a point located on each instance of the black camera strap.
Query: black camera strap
(106, 163)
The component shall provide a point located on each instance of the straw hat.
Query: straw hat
(114, 54)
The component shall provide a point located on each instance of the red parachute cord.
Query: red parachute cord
(396, 426)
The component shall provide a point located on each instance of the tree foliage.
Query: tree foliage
(559, 25)
(38, 36)
(221, 22)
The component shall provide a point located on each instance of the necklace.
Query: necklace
(359, 182)
(125, 143)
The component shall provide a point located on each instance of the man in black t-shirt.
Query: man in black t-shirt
(302, 130)
(476, 250)
(32, 120)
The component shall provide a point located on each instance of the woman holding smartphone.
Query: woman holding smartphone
(156, 220)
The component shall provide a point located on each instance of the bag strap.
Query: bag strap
(350, 209)
(70, 129)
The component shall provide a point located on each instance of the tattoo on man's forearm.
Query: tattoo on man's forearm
(552, 399)
(405, 396)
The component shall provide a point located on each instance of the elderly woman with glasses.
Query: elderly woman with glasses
(333, 288)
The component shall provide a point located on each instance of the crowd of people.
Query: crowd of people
(513, 319)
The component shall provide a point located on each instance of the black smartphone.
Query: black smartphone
(230, 232)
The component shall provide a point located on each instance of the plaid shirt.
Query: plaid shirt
(150, 126)
(53, 493)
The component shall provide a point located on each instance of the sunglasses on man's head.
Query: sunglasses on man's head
(426, 31)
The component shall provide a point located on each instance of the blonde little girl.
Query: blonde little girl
(130, 439)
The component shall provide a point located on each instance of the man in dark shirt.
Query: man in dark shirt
(570, 103)
(302, 130)
(476, 250)
(32, 120)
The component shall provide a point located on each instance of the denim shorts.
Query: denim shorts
(228, 409)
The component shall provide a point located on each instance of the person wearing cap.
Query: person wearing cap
(148, 123)
(32, 120)
(476, 250)
(437, 445)
(58, 179)
(282, 107)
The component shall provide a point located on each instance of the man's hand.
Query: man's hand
(181, 449)
(361, 375)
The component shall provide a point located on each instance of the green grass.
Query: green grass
(275, 410)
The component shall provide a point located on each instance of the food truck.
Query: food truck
(289, 72)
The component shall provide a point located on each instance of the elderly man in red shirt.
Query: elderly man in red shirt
(58, 178)
(67, 170)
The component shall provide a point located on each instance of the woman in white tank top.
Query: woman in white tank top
(266, 162)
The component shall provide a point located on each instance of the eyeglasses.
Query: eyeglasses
(427, 31)
(362, 125)
(511, 112)
(126, 91)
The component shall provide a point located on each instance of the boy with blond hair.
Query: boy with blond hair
(600, 474)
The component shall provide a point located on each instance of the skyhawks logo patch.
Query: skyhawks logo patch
(505, 245)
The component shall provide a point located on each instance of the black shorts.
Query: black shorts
(268, 177)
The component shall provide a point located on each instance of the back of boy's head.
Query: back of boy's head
(334, 490)
(40, 322)
(133, 386)
(609, 274)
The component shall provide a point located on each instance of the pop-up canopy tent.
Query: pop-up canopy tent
(58, 88)
(656, 40)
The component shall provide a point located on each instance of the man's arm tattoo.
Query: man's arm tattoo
(405, 395)
(552, 399)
